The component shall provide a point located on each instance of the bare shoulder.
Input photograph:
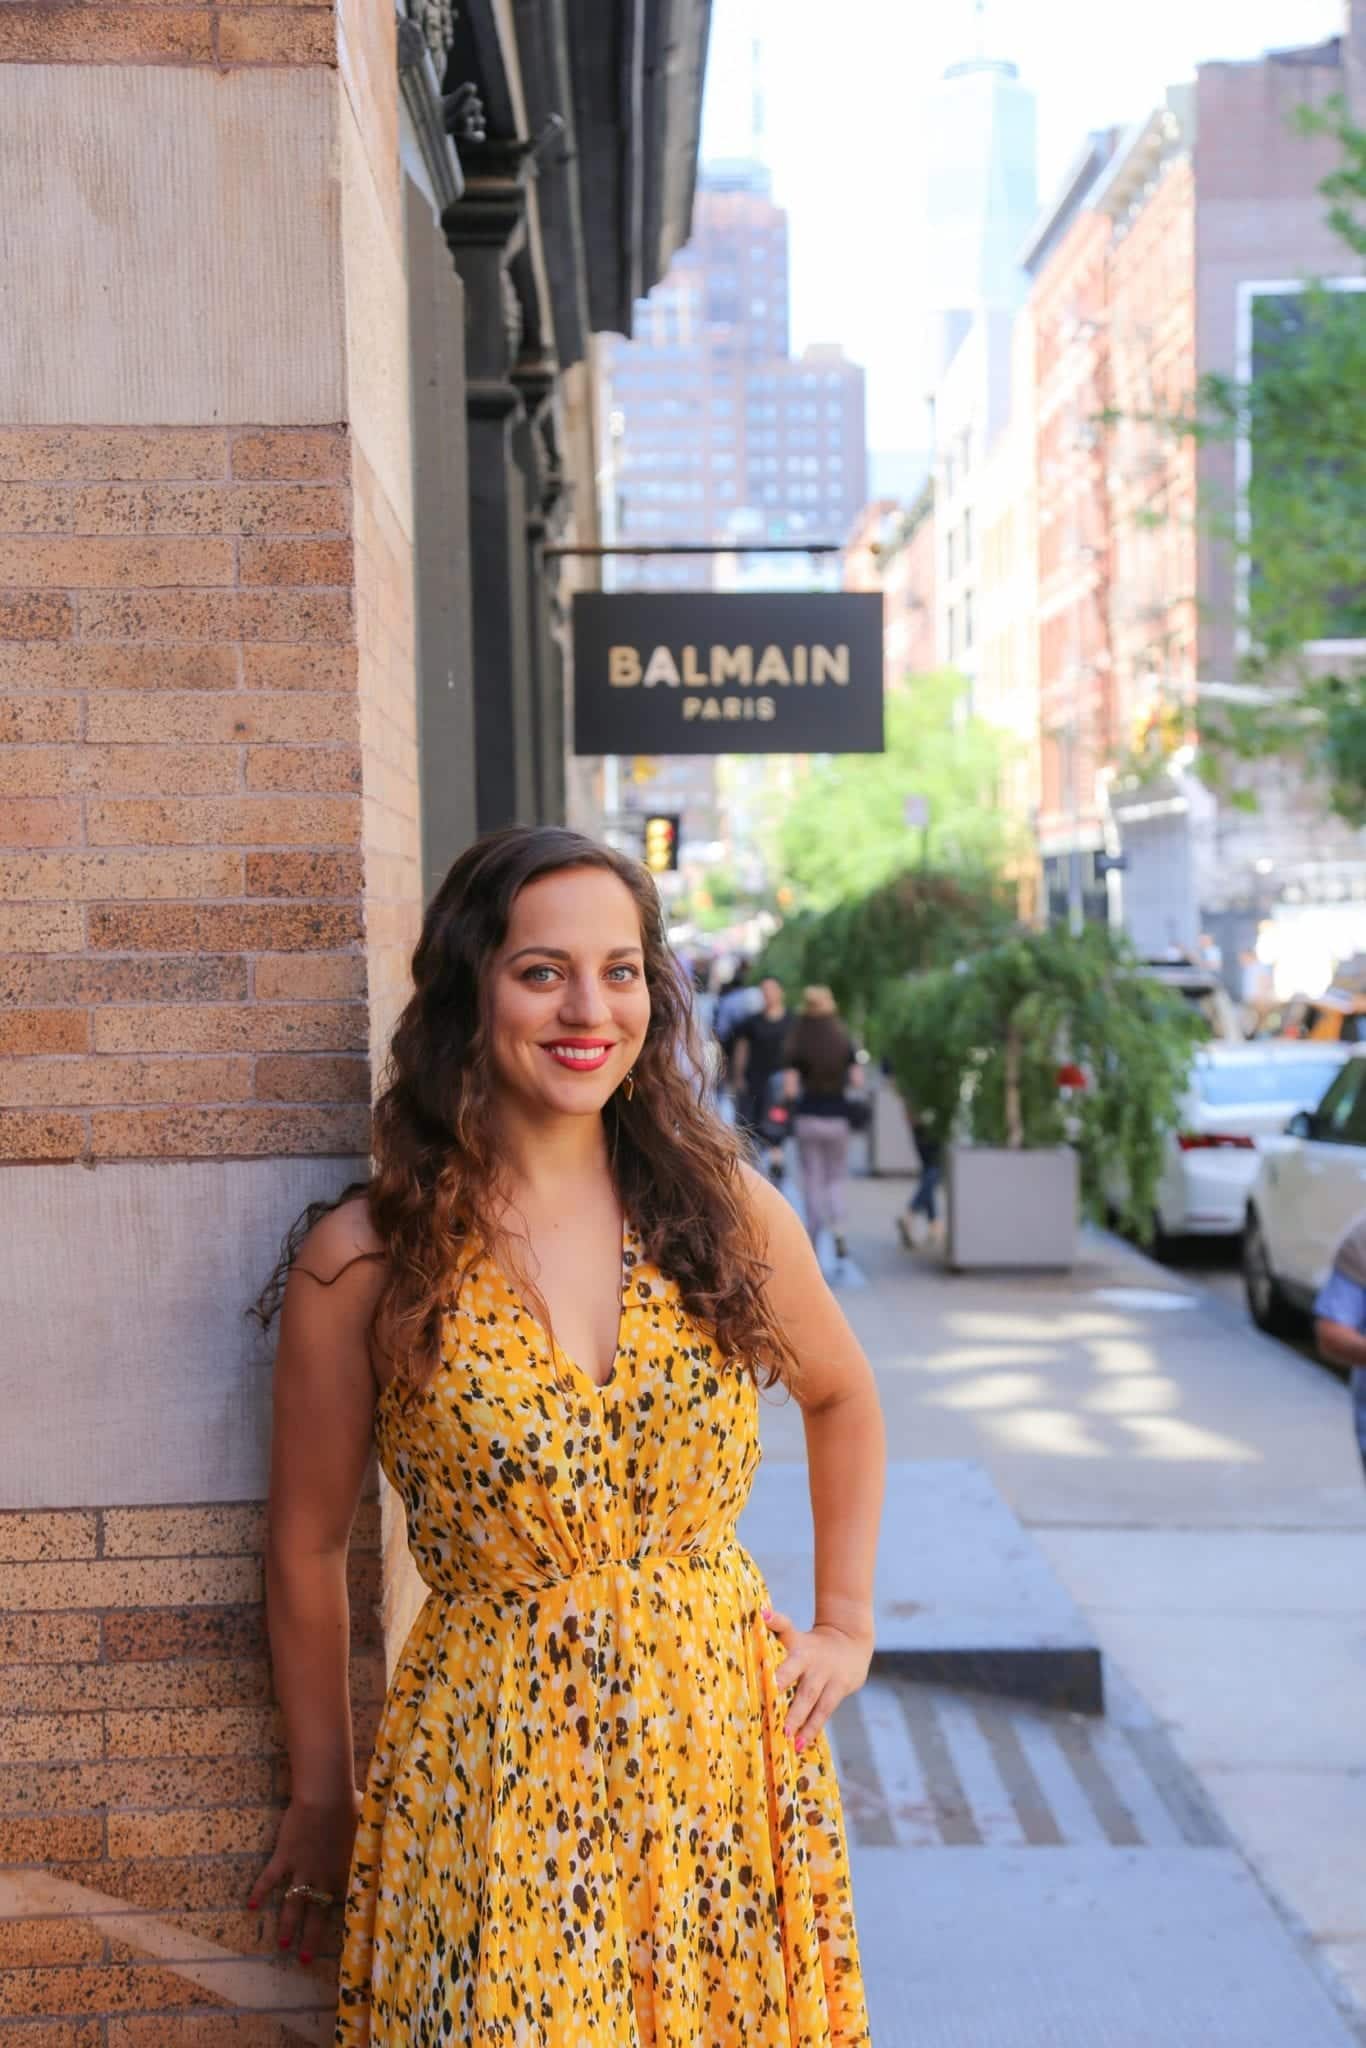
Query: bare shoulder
(340, 1262)
(780, 1227)
(830, 1360)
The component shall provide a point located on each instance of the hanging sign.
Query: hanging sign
(728, 672)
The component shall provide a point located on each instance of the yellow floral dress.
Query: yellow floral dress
(584, 1826)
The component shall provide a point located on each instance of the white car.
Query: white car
(1310, 1187)
(1239, 1096)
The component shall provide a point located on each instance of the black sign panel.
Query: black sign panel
(726, 672)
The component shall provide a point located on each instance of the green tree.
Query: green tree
(845, 831)
(1302, 415)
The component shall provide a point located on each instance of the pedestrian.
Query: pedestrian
(820, 1056)
(739, 998)
(1340, 1320)
(602, 1806)
(920, 1218)
(756, 1062)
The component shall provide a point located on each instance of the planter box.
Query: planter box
(1012, 1209)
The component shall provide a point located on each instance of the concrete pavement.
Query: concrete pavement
(1196, 1488)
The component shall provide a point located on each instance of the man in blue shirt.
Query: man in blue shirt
(1340, 1320)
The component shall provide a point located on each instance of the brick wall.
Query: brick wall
(141, 1777)
(113, 32)
(180, 912)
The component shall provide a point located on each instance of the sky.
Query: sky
(842, 137)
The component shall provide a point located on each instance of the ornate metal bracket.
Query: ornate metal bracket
(422, 96)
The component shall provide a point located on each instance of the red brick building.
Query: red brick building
(892, 549)
(1068, 306)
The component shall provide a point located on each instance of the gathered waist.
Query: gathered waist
(727, 1555)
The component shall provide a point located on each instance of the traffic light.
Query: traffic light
(661, 842)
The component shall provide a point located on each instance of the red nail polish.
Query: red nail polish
(304, 1956)
(283, 1941)
(253, 1905)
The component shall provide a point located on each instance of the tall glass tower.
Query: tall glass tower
(982, 197)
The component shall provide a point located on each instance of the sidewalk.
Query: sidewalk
(1197, 1490)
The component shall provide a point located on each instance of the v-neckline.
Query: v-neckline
(553, 1349)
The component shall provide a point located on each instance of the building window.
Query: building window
(967, 622)
(950, 560)
(967, 537)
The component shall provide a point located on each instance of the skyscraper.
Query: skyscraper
(982, 195)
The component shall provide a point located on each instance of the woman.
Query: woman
(820, 1055)
(601, 1807)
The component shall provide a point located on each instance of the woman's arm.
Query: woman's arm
(324, 1412)
(1339, 1343)
(846, 1460)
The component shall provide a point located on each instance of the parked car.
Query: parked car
(1340, 1013)
(1205, 992)
(1239, 1096)
(1310, 1186)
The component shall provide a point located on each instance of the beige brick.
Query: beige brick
(40, 771)
(48, 563)
(58, 1938)
(78, 666)
(321, 510)
(55, 2034)
(277, 35)
(174, 509)
(36, 614)
(40, 927)
(137, 1785)
(230, 1831)
(276, 562)
(43, 1031)
(40, 821)
(68, 1838)
(87, 454)
(27, 720)
(292, 454)
(34, 1638)
(96, 877)
(127, 1688)
(191, 1731)
(121, 1987)
(42, 32)
(303, 768)
(36, 980)
(61, 1533)
(234, 716)
(217, 1531)
(206, 821)
(295, 668)
(319, 1133)
(112, 1082)
(314, 875)
(322, 615)
(172, 1883)
(120, 770)
(127, 1582)
(222, 928)
(159, 1634)
(44, 1135)
(287, 2029)
(319, 978)
(291, 1077)
(50, 1738)
(241, 1027)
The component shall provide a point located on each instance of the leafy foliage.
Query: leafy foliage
(918, 919)
(845, 830)
(976, 1049)
(1303, 415)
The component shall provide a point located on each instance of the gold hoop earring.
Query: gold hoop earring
(628, 1086)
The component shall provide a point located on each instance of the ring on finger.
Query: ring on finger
(311, 1893)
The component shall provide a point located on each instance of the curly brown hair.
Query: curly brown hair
(432, 1193)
